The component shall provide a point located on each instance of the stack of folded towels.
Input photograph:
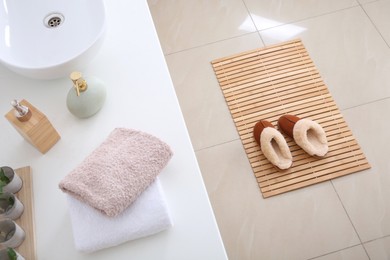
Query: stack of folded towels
(115, 196)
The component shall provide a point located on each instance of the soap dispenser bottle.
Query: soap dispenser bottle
(86, 97)
(33, 125)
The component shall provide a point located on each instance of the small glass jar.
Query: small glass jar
(10, 206)
(10, 254)
(11, 234)
(15, 182)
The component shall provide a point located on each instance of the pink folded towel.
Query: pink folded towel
(118, 171)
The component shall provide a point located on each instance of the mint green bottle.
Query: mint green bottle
(86, 97)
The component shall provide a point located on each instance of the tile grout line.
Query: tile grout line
(209, 43)
(215, 145)
(309, 18)
(332, 252)
(366, 103)
(372, 22)
(350, 220)
(253, 21)
(372, 240)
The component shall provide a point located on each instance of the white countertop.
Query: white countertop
(140, 95)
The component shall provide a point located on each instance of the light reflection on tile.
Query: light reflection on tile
(354, 62)
(186, 24)
(288, 31)
(287, 11)
(247, 24)
(265, 22)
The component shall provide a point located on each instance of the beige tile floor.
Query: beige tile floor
(349, 41)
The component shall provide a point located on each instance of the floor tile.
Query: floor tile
(297, 225)
(346, 42)
(268, 14)
(204, 108)
(186, 24)
(355, 253)
(351, 56)
(379, 13)
(379, 249)
(366, 195)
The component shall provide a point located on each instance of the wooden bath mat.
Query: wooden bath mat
(269, 82)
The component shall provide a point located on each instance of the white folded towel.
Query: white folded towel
(93, 230)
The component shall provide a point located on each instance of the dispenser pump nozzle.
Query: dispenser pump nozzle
(78, 82)
(21, 112)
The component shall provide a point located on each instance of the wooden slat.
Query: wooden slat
(281, 79)
(309, 182)
(275, 78)
(259, 167)
(262, 51)
(270, 89)
(254, 67)
(26, 221)
(240, 75)
(267, 86)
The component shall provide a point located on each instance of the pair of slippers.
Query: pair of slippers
(307, 134)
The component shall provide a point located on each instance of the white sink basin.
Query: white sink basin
(47, 39)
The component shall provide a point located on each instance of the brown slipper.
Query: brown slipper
(272, 144)
(307, 134)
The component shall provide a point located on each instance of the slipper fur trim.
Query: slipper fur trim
(315, 144)
(281, 156)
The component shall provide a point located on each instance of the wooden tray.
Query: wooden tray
(269, 82)
(26, 221)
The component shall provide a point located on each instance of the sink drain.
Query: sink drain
(53, 20)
